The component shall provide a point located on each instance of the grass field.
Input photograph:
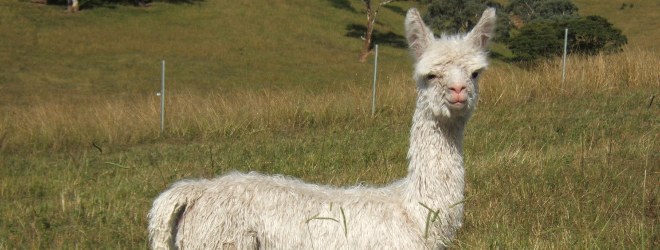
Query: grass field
(549, 164)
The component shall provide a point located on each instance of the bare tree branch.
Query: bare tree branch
(371, 20)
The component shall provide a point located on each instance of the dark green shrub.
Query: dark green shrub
(592, 35)
(539, 39)
(586, 35)
(535, 10)
(458, 16)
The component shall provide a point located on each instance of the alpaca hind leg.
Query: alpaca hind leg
(228, 246)
(250, 240)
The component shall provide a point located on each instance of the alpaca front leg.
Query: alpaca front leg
(249, 240)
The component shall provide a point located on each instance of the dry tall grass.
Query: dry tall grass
(585, 75)
(130, 119)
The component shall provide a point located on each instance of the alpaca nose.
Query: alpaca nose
(457, 88)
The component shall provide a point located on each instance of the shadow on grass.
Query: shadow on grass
(87, 4)
(390, 38)
(342, 4)
(396, 9)
(180, 1)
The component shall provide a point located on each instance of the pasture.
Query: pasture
(277, 88)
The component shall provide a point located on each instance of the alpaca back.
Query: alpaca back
(282, 213)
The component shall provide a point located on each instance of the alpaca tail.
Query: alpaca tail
(168, 210)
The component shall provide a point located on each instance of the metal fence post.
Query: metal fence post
(563, 71)
(373, 98)
(162, 98)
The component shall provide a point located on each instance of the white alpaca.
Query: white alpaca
(421, 211)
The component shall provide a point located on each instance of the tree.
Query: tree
(587, 35)
(371, 19)
(457, 16)
(539, 39)
(531, 28)
(592, 35)
(454, 16)
(534, 10)
(72, 5)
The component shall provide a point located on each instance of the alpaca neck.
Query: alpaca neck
(435, 178)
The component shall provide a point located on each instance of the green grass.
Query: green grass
(549, 165)
(217, 44)
(564, 174)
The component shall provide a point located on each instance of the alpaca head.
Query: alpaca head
(447, 69)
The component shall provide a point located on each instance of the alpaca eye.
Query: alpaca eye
(475, 74)
(430, 77)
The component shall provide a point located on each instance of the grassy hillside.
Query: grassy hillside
(209, 45)
(276, 88)
(639, 20)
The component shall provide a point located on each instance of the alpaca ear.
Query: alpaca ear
(418, 35)
(484, 30)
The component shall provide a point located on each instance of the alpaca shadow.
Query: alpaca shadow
(342, 4)
(390, 38)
